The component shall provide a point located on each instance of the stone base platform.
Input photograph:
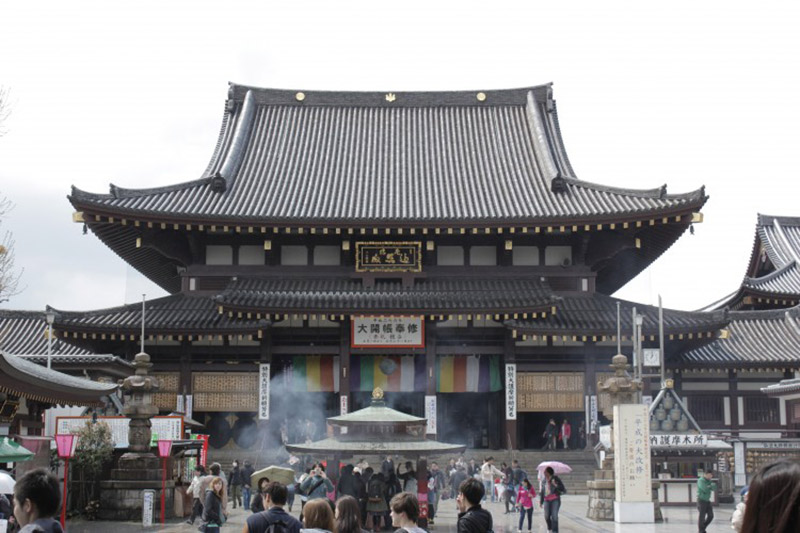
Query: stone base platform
(121, 497)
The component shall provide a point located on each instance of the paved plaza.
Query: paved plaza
(572, 519)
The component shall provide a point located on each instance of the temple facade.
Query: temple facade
(439, 246)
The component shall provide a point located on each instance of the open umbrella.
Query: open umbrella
(558, 467)
(6, 483)
(274, 473)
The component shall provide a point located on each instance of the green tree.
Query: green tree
(94, 453)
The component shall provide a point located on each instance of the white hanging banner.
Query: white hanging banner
(189, 405)
(263, 391)
(511, 391)
(430, 414)
(343, 404)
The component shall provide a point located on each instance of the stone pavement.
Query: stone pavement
(571, 520)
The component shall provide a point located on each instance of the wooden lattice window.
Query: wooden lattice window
(707, 408)
(169, 385)
(761, 410)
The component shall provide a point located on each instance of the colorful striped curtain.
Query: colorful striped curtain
(468, 373)
(314, 373)
(406, 373)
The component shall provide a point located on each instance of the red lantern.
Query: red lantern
(65, 446)
(164, 450)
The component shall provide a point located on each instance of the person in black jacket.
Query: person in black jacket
(212, 510)
(472, 518)
(235, 484)
(550, 497)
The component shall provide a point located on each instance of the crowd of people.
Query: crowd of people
(365, 499)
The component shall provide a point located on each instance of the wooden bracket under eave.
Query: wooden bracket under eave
(77, 216)
(697, 218)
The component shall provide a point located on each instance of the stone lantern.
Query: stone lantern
(139, 407)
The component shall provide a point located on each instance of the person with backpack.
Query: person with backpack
(550, 497)
(317, 484)
(376, 500)
(472, 518)
(274, 519)
(405, 513)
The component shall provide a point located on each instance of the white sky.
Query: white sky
(687, 93)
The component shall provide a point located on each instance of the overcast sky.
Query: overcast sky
(132, 93)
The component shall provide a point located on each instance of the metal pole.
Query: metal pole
(619, 331)
(49, 344)
(633, 342)
(661, 354)
(164, 488)
(64, 503)
(142, 343)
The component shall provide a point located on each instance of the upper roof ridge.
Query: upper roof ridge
(388, 98)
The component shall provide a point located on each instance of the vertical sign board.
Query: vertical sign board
(148, 497)
(189, 406)
(430, 414)
(740, 474)
(204, 449)
(343, 410)
(179, 404)
(511, 391)
(632, 453)
(593, 421)
(263, 391)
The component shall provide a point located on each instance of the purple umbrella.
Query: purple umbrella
(558, 467)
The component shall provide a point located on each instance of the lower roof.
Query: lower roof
(756, 339)
(596, 315)
(351, 296)
(29, 380)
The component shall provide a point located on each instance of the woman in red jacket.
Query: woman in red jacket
(525, 496)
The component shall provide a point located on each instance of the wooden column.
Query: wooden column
(185, 377)
(509, 356)
(733, 394)
(344, 365)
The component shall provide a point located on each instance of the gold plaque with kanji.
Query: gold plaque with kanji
(389, 256)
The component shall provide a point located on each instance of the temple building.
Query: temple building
(439, 246)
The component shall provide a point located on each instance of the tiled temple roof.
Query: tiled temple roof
(350, 296)
(177, 314)
(756, 339)
(35, 382)
(773, 274)
(25, 333)
(596, 315)
(425, 158)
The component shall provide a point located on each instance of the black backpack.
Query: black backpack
(259, 522)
